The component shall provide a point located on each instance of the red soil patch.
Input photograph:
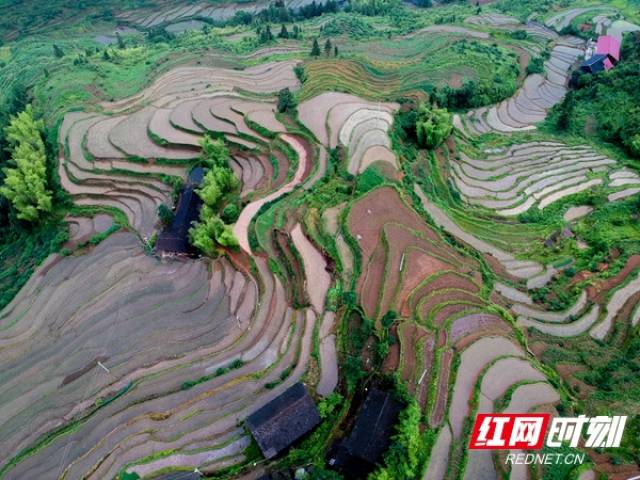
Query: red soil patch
(418, 267)
(455, 80)
(537, 348)
(283, 168)
(367, 218)
(370, 283)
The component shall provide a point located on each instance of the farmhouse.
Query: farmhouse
(370, 437)
(607, 54)
(175, 239)
(283, 420)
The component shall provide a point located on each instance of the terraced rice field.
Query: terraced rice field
(530, 175)
(533, 100)
(171, 14)
(114, 360)
(359, 126)
(409, 65)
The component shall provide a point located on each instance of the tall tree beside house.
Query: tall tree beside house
(315, 49)
(25, 183)
(218, 189)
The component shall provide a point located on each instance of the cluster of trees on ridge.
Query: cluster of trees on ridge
(219, 192)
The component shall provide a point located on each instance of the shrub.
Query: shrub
(286, 102)
(300, 73)
(165, 214)
(230, 213)
(536, 65)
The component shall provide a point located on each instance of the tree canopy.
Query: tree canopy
(25, 183)
(218, 185)
(286, 101)
(433, 126)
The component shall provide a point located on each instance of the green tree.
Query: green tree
(315, 49)
(57, 51)
(25, 183)
(284, 33)
(165, 214)
(266, 35)
(210, 233)
(286, 102)
(121, 44)
(300, 72)
(327, 47)
(216, 184)
(214, 152)
(433, 126)
(335, 51)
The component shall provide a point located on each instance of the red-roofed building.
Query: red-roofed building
(606, 55)
(609, 46)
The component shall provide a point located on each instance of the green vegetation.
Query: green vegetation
(217, 190)
(433, 126)
(165, 214)
(25, 183)
(236, 364)
(536, 65)
(430, 74)
(22, 249)
(315, 49)
(347, 24)
(420, 65)
(286, 101)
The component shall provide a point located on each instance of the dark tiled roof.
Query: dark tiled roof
(283, 420)
(371, 434)
(594, 59)
(175, 239)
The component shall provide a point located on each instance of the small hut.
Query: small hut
(283, 420)
(174, 240)
(370, 437)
